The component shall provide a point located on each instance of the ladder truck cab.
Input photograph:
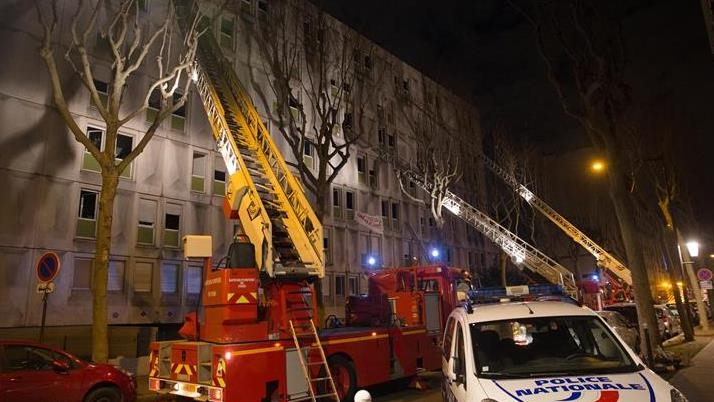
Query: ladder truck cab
(255, 340)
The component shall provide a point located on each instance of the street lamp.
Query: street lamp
(693, 248)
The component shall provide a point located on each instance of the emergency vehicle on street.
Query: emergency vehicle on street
(514, 344)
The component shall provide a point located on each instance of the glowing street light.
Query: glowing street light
(597, 166)
(693, 248)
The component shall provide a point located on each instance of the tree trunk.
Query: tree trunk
(625, 216)
(503, 263)
(670, 241)
(100, 337)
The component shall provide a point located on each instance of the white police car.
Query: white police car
(525, 349)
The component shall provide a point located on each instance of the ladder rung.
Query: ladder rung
(326, 395)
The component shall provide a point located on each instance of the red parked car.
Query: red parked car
(31, 371)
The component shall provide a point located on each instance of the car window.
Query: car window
(545, 345)
(460, 364)
(24, 357)
(448, 337)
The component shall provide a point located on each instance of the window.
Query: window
(339, 285)
(349, 204)
(395, 215)
(169, 278)
(354, 285)
(124, 146)
(154, 105)
(219, 177)
(294, 106)
(147, 221)
(102, 90)
(385, 213)
(192, 278)
(82, 278)
(263, 9)
(143, 5)
(347, 121)
(382, 136)
(460, 353)
(246, 6)
(373, 182)
(334, 89)
(198, 172)
(336, 203)
(327, 245)
(226, 32)
(96, 136)
(143, 277)
(172, 225)
(308, 152)
(87, 216)
(178, 116)
(34, 359)
(327, 289)
(115, 281)
(362, 169)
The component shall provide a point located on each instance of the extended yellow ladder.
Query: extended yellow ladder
(261, 191)
(307, 340)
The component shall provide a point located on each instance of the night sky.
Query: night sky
(484, 51)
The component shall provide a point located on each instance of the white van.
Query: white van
(512, 349)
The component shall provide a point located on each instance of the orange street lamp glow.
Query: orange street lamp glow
(597, 166)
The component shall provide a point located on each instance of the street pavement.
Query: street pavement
(695, 380)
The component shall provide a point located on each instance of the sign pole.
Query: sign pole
(47, 268)
(44, 314)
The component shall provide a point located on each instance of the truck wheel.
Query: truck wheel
(104, 394)
(344, 377)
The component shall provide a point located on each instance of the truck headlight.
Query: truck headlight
(677, 396)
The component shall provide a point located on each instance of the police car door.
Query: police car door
(455, 367)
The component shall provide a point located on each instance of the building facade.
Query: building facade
(176, 186)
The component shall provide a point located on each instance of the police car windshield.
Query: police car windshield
(547, 345)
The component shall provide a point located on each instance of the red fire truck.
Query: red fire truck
(254, 337)
(256, 340)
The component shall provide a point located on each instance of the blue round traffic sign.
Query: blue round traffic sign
(48, 267)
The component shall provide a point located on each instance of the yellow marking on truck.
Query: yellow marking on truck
(418, 331)
(255, 351)
(358, 339)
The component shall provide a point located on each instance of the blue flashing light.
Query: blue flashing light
(596, 278)
(435, 252)
(371, 261)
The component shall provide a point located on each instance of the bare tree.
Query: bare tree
(119, 25)
(593, 91)
(323, 79)
(438, 146)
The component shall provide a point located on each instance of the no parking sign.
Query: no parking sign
(48, 267)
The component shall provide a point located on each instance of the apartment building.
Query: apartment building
(176, 186)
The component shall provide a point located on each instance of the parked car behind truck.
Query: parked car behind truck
(31, 371)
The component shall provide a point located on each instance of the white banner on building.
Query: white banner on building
(372, 222)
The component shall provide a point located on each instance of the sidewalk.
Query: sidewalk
(695, 380)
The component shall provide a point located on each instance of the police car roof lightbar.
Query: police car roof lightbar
(539, 292)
